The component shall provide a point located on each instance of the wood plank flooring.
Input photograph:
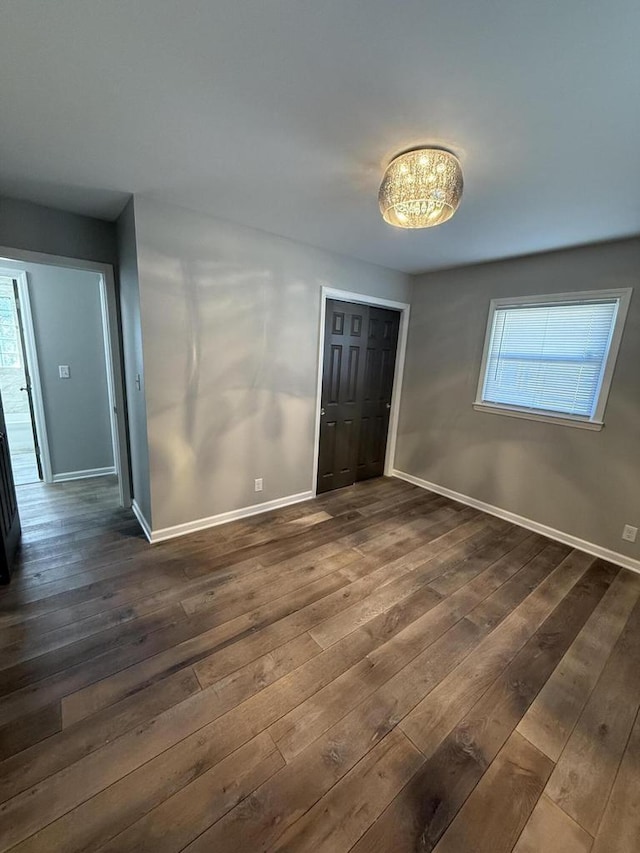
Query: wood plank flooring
(379, 669)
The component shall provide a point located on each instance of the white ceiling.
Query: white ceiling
(281, 114)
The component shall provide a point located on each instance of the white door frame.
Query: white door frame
(401, 352)
(113, 360)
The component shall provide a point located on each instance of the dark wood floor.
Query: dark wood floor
(379, 669)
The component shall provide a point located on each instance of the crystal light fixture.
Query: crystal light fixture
(421, 188)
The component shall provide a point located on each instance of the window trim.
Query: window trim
(596, 421)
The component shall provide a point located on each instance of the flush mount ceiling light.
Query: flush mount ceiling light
(421, 188)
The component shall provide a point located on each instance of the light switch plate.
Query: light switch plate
(63, 370)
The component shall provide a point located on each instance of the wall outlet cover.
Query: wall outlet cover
(258, 484)
(63, 371)
(629, 533)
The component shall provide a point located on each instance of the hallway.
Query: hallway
(63, 526)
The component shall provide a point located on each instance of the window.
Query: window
(552, 357)
(9, 344)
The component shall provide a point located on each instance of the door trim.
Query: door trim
(34, 371)
(113, 358)
(362, 299)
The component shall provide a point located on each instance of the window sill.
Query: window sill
(559, 420)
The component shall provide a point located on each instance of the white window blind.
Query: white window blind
(549, 357)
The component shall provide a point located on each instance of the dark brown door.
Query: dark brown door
(359, 361)
(9, 518)
(379, 368)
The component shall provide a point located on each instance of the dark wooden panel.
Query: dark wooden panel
(498, 809)
(597, 743)
(357, 386)
(342, 381)
(430, 802)
(378, 386)
(335, 375)
(29, 730)
(327, 455)
(619, 829)
(353, 374)
(9, 517)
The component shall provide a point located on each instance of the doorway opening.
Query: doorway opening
(16, 389)
(361, 360)
(63, 442)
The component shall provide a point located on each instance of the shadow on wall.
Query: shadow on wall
(238, 378)
(230, 319)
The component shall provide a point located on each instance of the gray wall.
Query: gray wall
(34, 228)
(230, 322)
(133, 360)
(67, 321)
(580, 482)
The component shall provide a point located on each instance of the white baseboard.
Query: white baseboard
(142, 521)
(83, 475)
(550, 532)
(223, 518)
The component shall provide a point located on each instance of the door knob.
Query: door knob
(322, 412)
(388, 405)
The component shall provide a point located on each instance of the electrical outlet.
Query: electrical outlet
(63, 371)
(258, 484)
(629, 533)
